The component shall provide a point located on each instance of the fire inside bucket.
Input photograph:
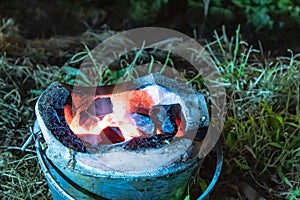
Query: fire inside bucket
(136, 142)
(137, 113)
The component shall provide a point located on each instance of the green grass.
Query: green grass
(262, 130)
(105, 75)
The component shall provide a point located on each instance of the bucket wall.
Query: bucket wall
(69, 184)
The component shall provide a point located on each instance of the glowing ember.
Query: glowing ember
(121, 117)
(148, 112)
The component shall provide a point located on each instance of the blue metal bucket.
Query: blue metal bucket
(166, 186)
(166, 183)
(79, 175)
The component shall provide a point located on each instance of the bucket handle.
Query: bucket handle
(219, 151)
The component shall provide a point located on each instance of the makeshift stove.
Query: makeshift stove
(134, 140)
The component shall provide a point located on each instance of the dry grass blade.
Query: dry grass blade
(20, 84)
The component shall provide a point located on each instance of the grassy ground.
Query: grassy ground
(262, 130)
(261, 135)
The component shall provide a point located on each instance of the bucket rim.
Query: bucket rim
(69, 159)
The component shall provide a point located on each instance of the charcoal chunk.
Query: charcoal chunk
(143, 123)
(112, 135)
(60, 132)
(100, 107)
(68, 138)
(52, 119)
(51, 108)
(155, 141)
(86, 120)
(165, 116)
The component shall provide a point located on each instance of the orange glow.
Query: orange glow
(140, 102)
(68, 113)
(92, 130)
(181, 124)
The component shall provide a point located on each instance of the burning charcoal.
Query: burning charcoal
(165, 116)
(155, 141)
(112, 135)
(87, 121)
(100, 107)
(140, 102)
(143, 123)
